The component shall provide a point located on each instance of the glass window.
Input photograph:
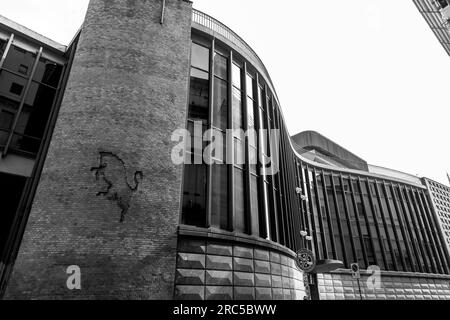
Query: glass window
(220, 112)
(38, 103)
(254, 205)
(12, 86)
(264, 147)
(11, 188)
(351, 208)
(18, 58)
(346, 185)
(34, 117)
(265, 227)
(251, 116)
(369, 251)
(199, 96)
(355, 185)
(261, 97)
(237, 109)
(220, 66)
(359, 252)
(218, 153)
(219, 194)
(198, 147)
(200, 57)
(236, 76)
(253, 159)
(6, 119)
(364, 187)
(239, 152)
(16, 89)
(328, 181)
(249, 83)
(47, 72)
(194, 196)
(23, 69)
(2, 47)
(239, 200)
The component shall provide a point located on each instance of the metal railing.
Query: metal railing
(218, 27)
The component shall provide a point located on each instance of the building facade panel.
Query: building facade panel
(281, 279)
(392, 286)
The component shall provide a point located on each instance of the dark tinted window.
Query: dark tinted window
(200, 57)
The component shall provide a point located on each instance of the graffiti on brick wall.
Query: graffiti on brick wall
(112, 173)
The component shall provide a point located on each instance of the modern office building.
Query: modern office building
(437, 14)
(440, 198)
(89, 134)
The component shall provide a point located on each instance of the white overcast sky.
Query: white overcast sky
(369, 74)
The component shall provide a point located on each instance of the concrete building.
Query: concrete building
(440, 198)
(89, 134)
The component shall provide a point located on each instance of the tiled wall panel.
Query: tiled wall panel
(341, 286)
(212, 270)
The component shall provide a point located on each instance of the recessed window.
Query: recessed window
(6, 119)
(16, 89)
(23, 69)
(442, 3)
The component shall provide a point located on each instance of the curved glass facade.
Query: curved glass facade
(353, 216)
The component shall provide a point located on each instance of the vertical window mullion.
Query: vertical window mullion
(230, 147)
(210, 121)
(247, 174)
(273, 218)
(263, 202)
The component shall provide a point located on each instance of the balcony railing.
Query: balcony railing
(218, 27)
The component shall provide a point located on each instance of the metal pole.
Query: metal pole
(5, 53)
(359, 288)
(163, 11)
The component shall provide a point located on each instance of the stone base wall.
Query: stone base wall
(393, 286)
(217, 269)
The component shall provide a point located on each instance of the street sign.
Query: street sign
(355, 271)
(306, 260)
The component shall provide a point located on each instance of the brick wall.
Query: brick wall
(126, 94)
(209, 269)
(394, 286)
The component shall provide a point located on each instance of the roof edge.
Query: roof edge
(30, 34)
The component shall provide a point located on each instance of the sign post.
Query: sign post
(356, 274)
